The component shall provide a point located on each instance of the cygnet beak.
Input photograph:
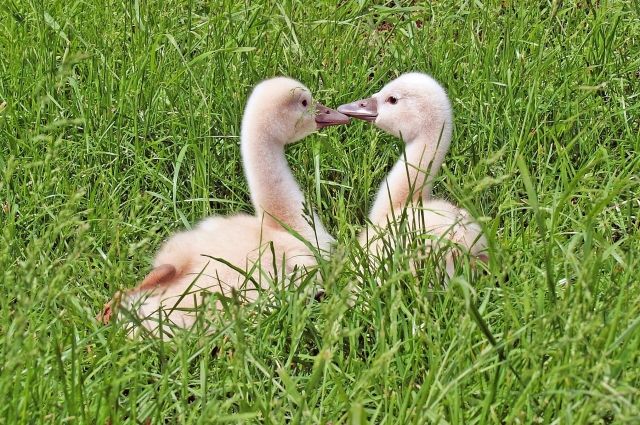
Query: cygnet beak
(364, 109)
(326, 117)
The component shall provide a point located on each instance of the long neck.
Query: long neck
(412, 177)
(275, 194)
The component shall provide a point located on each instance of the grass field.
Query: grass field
(119, 124)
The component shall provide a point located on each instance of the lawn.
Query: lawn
(119, 124)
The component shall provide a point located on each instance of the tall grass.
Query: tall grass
(119, 124)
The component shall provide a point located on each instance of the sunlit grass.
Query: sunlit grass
(119, 124)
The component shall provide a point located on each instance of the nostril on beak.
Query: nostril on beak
(363, 104)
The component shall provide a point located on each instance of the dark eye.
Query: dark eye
(304, 103)
(392, 100)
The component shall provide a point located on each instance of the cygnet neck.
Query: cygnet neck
(412, 176)
(275, 194)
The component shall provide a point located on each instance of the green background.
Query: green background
(119, 124)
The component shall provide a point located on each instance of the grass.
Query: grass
(119, 124)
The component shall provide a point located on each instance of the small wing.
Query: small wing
(159, 276)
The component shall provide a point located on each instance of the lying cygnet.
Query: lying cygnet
(242, 252)
(415, 108)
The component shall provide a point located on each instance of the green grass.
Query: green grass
(119, 124)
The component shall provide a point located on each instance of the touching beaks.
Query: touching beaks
(364, 109)
(326, 117)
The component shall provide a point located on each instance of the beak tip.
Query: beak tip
(326, 117)
(364, 109)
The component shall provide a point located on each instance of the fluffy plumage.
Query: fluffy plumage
(415, 108)
(241, 252)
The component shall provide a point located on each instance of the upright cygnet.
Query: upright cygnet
(241, 252)
(415, 108)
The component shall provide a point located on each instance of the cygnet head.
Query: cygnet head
(408, 106)
(284, 110)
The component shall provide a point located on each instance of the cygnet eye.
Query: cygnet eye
(304, 103)
(392, 100)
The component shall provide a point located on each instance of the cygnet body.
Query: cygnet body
(242, 252)
(415, 108)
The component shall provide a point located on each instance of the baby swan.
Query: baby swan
(415, 108)
(241, 252)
